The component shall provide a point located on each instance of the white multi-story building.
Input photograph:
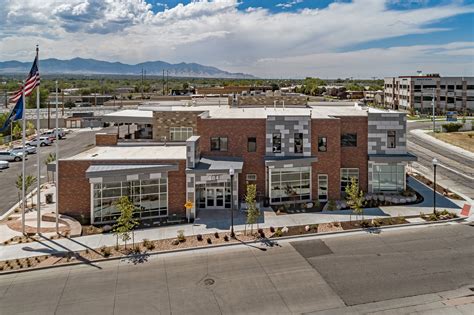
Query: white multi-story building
(416, 93)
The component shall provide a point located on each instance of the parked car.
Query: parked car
(52, 134)
(10, 156)
(28, 149)
(4, 164)
(42, 140)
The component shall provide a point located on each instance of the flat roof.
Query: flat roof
(132, 152)
(131, 113)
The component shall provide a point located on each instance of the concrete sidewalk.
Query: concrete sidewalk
(212, 221)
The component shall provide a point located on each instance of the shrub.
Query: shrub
(209, 241)
(148, 244)
(422, 215)
(432, 217)
(313, 227)
(365, 224)
(175, 242)
(181, 237)
(272, 229)
(199, 237)
(331, 205)
(452, 127)
(216, 234)
(137, 249)
(376, 223)
(106, 252)
(226, 238)
(278, 233)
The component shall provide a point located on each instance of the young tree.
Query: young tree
(51, 158)
(16, 131)
(355, 198)
(125, 223)
(252, 211)
(29, 181)
(30, 128)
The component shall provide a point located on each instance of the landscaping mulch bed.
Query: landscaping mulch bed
(444, 191)
(137, 253)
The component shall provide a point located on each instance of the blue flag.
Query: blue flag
(16, 114)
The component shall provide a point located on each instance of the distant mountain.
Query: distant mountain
(92, 66)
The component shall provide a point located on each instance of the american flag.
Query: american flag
(32, 81)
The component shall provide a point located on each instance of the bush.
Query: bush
(181, 237)
(148, 244)
(199, 237)
(216, 234)
(106, 252)
(272, 229)
(278, 233)
(226, 238)
(175, 242)
(452, 127)
(331, 205)
(209, 241)
(365, 224)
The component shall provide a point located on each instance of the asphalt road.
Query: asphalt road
(74, 143)
(337, 275)
(426, 152)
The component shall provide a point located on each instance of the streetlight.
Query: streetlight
(232, 173)
(435, 163)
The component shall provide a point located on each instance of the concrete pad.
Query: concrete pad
(102, 305)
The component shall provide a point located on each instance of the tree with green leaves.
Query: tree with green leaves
(29, 181)
(31, 100)
(125, 223)
(16, 131)
(355, 198)
(49, 159)
(252, 211)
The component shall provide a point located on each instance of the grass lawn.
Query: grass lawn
(463, 140)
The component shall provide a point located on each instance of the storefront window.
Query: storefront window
(149, 196)
(290, 184)
(388, 178)
(346, 175)
(322, 187)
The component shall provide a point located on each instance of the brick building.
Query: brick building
(296, 154)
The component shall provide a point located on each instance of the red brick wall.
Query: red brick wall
(106, 139)
(74, 187)
(328, 162)
(237, 131)
(356, 157)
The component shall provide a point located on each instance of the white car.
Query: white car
(4, 164)
(10, 156)
(28, 149)
(42, 140)
(52, 134)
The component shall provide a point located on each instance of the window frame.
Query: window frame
(249, 143)
(394, 136)
(276, 135)
(298, 140)
(188, 131)
(220, 144)
(347, 181)
(345, 143)
(325, 140)
(251, 177)
(326, 179)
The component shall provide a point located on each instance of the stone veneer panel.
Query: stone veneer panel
(166, 119)
(287, 126)
(378, 125)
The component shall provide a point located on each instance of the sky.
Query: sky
(266, 38)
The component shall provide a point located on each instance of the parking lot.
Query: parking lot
(75, 142)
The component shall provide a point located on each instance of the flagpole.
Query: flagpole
(23, 137)
(38, 154)
(57, 163)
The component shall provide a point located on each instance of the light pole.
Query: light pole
(434, 114)
(56, 174)
(435, 163)
(232, 173)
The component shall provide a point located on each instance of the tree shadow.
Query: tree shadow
(137, 258)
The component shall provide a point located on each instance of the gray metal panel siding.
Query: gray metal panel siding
(378, 125)
(287, 126)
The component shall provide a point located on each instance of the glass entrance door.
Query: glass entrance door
(215, 198)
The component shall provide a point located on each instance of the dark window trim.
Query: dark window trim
(346, 143)
(248, 144)
(274, 150)
(325, 144)
(220, 148)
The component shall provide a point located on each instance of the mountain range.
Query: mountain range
(94, 67)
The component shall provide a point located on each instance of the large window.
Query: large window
(180, 133)
(149, 196)
(290, 184)
(322, 187)
(298, 137)
(276, 142)
(251, 144)
(391, 139)
(349, 140)
(322, 144)
(219, 144)
(346, 175)
(388, 178)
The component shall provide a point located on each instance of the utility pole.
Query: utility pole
(163, 82)
(142, 83)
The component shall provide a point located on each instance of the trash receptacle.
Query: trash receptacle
(49, 198)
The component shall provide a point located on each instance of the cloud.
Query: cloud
(288, 4)
(216, 33)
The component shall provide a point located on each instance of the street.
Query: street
(399, 271)
(75, 142)
(426, 152)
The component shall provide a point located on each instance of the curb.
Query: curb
(179, 250)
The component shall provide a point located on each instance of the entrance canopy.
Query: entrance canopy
(124, 172)
(218, 165)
